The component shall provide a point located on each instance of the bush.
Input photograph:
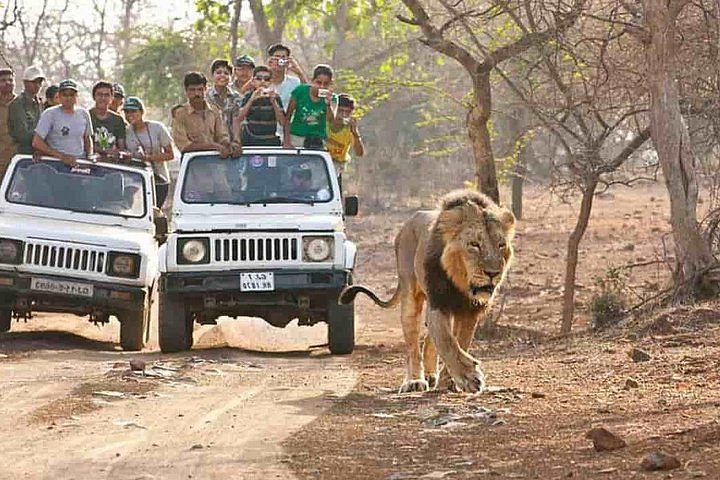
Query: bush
(609, 306)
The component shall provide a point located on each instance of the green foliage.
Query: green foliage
(155, 69)
(609, 306)
(214, 14)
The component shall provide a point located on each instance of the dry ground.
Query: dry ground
(253, 402)
(546, 392)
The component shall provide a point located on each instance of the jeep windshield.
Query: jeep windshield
(257, 179)
(87, 188)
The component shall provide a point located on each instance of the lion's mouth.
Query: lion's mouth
(476, 289)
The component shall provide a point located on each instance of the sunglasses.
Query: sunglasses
(263, 78)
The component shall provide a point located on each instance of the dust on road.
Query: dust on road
(70, 407)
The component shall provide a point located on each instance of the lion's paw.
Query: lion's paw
(415, 385)
(472, 381)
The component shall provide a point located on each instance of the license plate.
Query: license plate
(59, 286)
(257, 282)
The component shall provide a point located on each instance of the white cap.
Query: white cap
(33, 73)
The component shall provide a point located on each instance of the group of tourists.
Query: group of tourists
(275, 104)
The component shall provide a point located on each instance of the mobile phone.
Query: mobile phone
(323, 92)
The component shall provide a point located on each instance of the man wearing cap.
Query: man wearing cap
(198, 126)
(118, 97)
(150, 141)
(64, 130)
(7, 95)
(221, 95)
(25, 110)
(243, 74)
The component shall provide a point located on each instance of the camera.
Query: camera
(323, 92)
(283, 61)
(266, 91)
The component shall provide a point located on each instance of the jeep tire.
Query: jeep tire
(133, 325)
(341, 328)
(175, 326)
(5, 319)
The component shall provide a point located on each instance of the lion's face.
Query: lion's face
(478, 248)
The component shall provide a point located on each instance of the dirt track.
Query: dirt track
(71, 408)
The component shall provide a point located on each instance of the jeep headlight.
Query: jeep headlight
(317, 249)
(123, 265)
(11, 251)
(193, 250)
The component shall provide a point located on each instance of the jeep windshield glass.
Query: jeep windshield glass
(87, 188)
(257, 179)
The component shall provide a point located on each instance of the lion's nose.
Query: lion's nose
(491, 274)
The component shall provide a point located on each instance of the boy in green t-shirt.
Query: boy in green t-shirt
(310, 108)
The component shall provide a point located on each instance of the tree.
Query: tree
(672, 143)
(479, 60)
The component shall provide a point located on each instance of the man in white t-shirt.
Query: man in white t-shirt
(280, 61)
(64, 131)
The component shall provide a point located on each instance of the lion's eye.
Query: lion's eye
(475, 245)
(502, 245)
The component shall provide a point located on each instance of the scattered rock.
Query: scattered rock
(639, 355)
(109, 394)
(604, 440)
(631, 383)
(659, 461)
(438, 474)
(129, 424)
(137, 365)
(537, 395)
(628, 247)
(197, 446)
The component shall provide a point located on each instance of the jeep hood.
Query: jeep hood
(114, 237)
(294, 222)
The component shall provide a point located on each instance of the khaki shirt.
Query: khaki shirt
(201, 126)
(7, 144)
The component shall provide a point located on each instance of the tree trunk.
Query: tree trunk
(266, 35)
(234, 23)
(572, 252)
(477, 125)
(518, 178)
(672, 143)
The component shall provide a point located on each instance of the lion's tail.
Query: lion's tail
(348, 294)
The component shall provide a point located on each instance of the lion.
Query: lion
(454, 258)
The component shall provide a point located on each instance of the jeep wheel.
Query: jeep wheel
(341, 328)
(5, 319)
(133, 324)
(175, 326)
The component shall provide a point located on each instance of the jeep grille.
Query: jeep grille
(260, 249)
(64, 257)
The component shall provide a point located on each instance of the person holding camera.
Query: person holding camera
(260, 111)
(343, 134)
(311, 107)
(280, 62)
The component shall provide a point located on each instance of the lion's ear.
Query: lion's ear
(449, 223)
(507, 220)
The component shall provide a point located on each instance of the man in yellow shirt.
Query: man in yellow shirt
(343, 134)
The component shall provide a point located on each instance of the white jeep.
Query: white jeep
(261, 235)
(79, 240)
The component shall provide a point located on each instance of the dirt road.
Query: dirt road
(71, 408)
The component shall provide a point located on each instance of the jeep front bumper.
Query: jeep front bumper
(105, 295)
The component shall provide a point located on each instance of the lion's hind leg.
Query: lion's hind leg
(411, 308)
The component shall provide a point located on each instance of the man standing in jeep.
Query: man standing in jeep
(7, 95)
(196, 126)
(64, 130)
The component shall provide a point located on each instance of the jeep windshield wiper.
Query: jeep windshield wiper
(283, 200)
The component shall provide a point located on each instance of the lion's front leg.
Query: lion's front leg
(462, 367)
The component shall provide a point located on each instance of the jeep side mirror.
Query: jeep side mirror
(351, 205)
